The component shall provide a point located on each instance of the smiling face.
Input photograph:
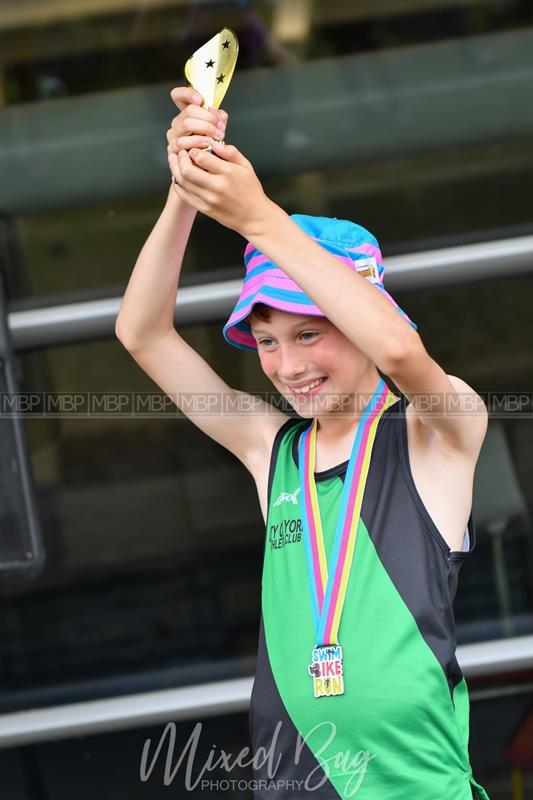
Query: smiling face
(309, 361)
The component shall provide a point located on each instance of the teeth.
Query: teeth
(308, 387)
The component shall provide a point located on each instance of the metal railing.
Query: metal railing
(210, 699)
(84, 321)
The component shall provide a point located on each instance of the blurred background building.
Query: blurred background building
(131, 544)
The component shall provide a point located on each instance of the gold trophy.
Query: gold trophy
(210, 69)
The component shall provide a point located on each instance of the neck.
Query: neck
(334, 426)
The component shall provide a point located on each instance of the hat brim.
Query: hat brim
(239, 334)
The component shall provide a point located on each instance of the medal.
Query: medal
(326, 670)
(328, 584)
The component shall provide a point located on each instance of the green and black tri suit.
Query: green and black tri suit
(400, 730)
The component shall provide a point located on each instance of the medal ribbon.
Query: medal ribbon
(328, 587)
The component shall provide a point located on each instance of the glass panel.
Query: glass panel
(412, 118)
(481, 332)
(153, 536)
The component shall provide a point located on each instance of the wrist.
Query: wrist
(174, 204)
(264, 221)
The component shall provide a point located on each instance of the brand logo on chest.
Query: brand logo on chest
(288, 497)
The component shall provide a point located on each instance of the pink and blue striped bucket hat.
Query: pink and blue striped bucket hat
(264, 282)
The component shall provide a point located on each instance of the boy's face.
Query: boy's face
(296, 350)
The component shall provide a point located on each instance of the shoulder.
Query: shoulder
(270, 434)
(470, 418)
(263, 456)
(446, 408)
(472, 413)
(462, 386)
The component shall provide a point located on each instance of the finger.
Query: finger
(208, 162)
(223, 116)
(190, 126)
(188, 142)
(183, 96)
(197, 112)
(230, 153)
(190, 198)
(184, 192)
(175, 173)
(194, 178)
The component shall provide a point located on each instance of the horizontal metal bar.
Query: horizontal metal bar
(462, 264)
(86, 321)
(497, 692)
(497, 656)
(209, 699)
(95, 319)
(129, 711)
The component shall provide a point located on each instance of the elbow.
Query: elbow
(124, 336)
(119, 333)
(135, 341)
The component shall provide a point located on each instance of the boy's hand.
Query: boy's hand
(194, 126)
(222, 185)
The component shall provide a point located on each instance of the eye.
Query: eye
(308, 333)
(265, 341)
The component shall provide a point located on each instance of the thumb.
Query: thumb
(229, 152)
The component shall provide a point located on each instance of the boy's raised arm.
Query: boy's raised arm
(147, 310)
(145, 323)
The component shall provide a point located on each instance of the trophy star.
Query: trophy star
(210, 63)
(221, 77)
(225, 44)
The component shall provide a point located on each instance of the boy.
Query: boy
(366, 496)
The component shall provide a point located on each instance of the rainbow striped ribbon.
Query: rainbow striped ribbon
(328, 586)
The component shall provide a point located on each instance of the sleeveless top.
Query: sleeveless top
(401, 728)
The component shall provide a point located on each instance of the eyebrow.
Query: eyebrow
(299, 324)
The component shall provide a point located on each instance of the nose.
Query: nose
(291, 364)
